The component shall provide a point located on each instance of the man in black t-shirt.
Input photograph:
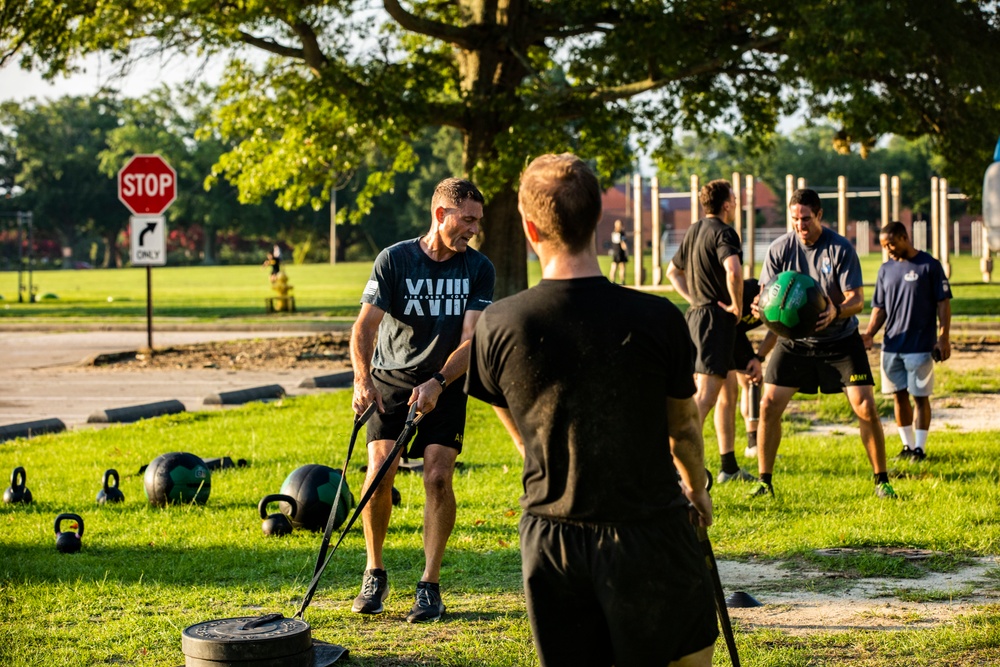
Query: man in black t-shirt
(594, 383)
(707, 271)
(411, 341)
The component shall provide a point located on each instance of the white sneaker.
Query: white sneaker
(750, 452)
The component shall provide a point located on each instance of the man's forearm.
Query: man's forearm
(944, 319)
(686, 442)
(362, 349)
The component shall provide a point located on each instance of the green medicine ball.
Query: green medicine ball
(314, 487)
(791, 304)
(177, 477)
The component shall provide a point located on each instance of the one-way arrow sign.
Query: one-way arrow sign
(147, 240)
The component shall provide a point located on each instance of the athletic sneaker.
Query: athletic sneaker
(762, 489)
(374, 590)
(885, 490)
(918, 454)
(428, 606)
(907, 453)
(740, 475)
(750, 452)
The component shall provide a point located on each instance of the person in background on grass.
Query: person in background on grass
(619, 254)
(708, 272)
(409, 345)
(274, 262)
(913, 300)
(594, 384)
(831, 360)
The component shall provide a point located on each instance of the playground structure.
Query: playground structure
(24, 239)
(943, 241)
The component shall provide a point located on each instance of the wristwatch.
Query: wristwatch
(760, 357)
(440, 380)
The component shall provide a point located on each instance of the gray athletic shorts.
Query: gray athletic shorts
(910, 371)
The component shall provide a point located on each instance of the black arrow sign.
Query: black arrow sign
(150, 226)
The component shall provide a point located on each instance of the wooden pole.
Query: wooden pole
(637, 228)
(654, 191)
(737, 192)
(896, 188)
(945, 223)
(883, 193)
(695, 210)
(842, 205)
(751, 237)
(935, 224)
(789, 187)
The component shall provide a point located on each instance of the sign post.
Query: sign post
(147, 185)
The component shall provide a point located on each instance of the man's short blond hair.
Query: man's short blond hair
(560, 194)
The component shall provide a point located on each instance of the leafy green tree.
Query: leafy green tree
(348, 87)
(57, 146)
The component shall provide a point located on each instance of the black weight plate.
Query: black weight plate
(307, 659)
(226, 640)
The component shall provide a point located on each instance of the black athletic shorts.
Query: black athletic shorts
(713, 332)
(626, 595)
(743, 352)
(828, 367)
(444, 425)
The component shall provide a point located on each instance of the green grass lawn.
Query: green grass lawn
(205, 293)
(146, 573)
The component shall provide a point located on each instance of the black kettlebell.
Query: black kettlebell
(69, 543)
(18, 492)
(109, 493)
(276, 524)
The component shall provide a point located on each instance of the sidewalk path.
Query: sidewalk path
(43, 378)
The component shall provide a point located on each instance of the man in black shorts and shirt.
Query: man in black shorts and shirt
(707, 271)
(833, 359)
(594, 383)
(409, 345)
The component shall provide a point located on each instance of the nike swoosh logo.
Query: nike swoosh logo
(924, 383)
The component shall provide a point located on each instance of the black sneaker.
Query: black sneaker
(762, 489)
(374, 590)
(907, 453)
(428, 606)
(918, 454)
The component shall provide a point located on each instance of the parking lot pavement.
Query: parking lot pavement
(43, 378)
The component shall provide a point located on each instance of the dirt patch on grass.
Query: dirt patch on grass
(329, 351)
(811, 601)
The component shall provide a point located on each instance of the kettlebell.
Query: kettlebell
(17, 493)
(276, 524)
(109, 493)
(69, 543)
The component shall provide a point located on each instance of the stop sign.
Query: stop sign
(147, 185)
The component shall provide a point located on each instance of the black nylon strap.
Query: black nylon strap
(412, 419)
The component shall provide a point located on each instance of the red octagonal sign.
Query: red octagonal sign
(147, 185)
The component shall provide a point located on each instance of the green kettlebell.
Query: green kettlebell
(17, 492)
(69, 543)
(110, 493)
(276, 524)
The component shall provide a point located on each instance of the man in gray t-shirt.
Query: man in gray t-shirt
(409, 345)
(833, 359)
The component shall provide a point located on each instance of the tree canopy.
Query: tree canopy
(348, 85)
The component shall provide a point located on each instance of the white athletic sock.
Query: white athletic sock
(906, 435)
(921, 439)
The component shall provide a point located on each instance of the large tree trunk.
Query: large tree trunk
(502, 240)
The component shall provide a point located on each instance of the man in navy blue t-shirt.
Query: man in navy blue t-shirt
(913, 300)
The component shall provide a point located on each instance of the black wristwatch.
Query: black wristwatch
(760, 357)
(440, 380)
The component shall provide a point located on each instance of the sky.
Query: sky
(18, 85)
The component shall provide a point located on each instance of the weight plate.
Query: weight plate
(307, 659)
(230, 639)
